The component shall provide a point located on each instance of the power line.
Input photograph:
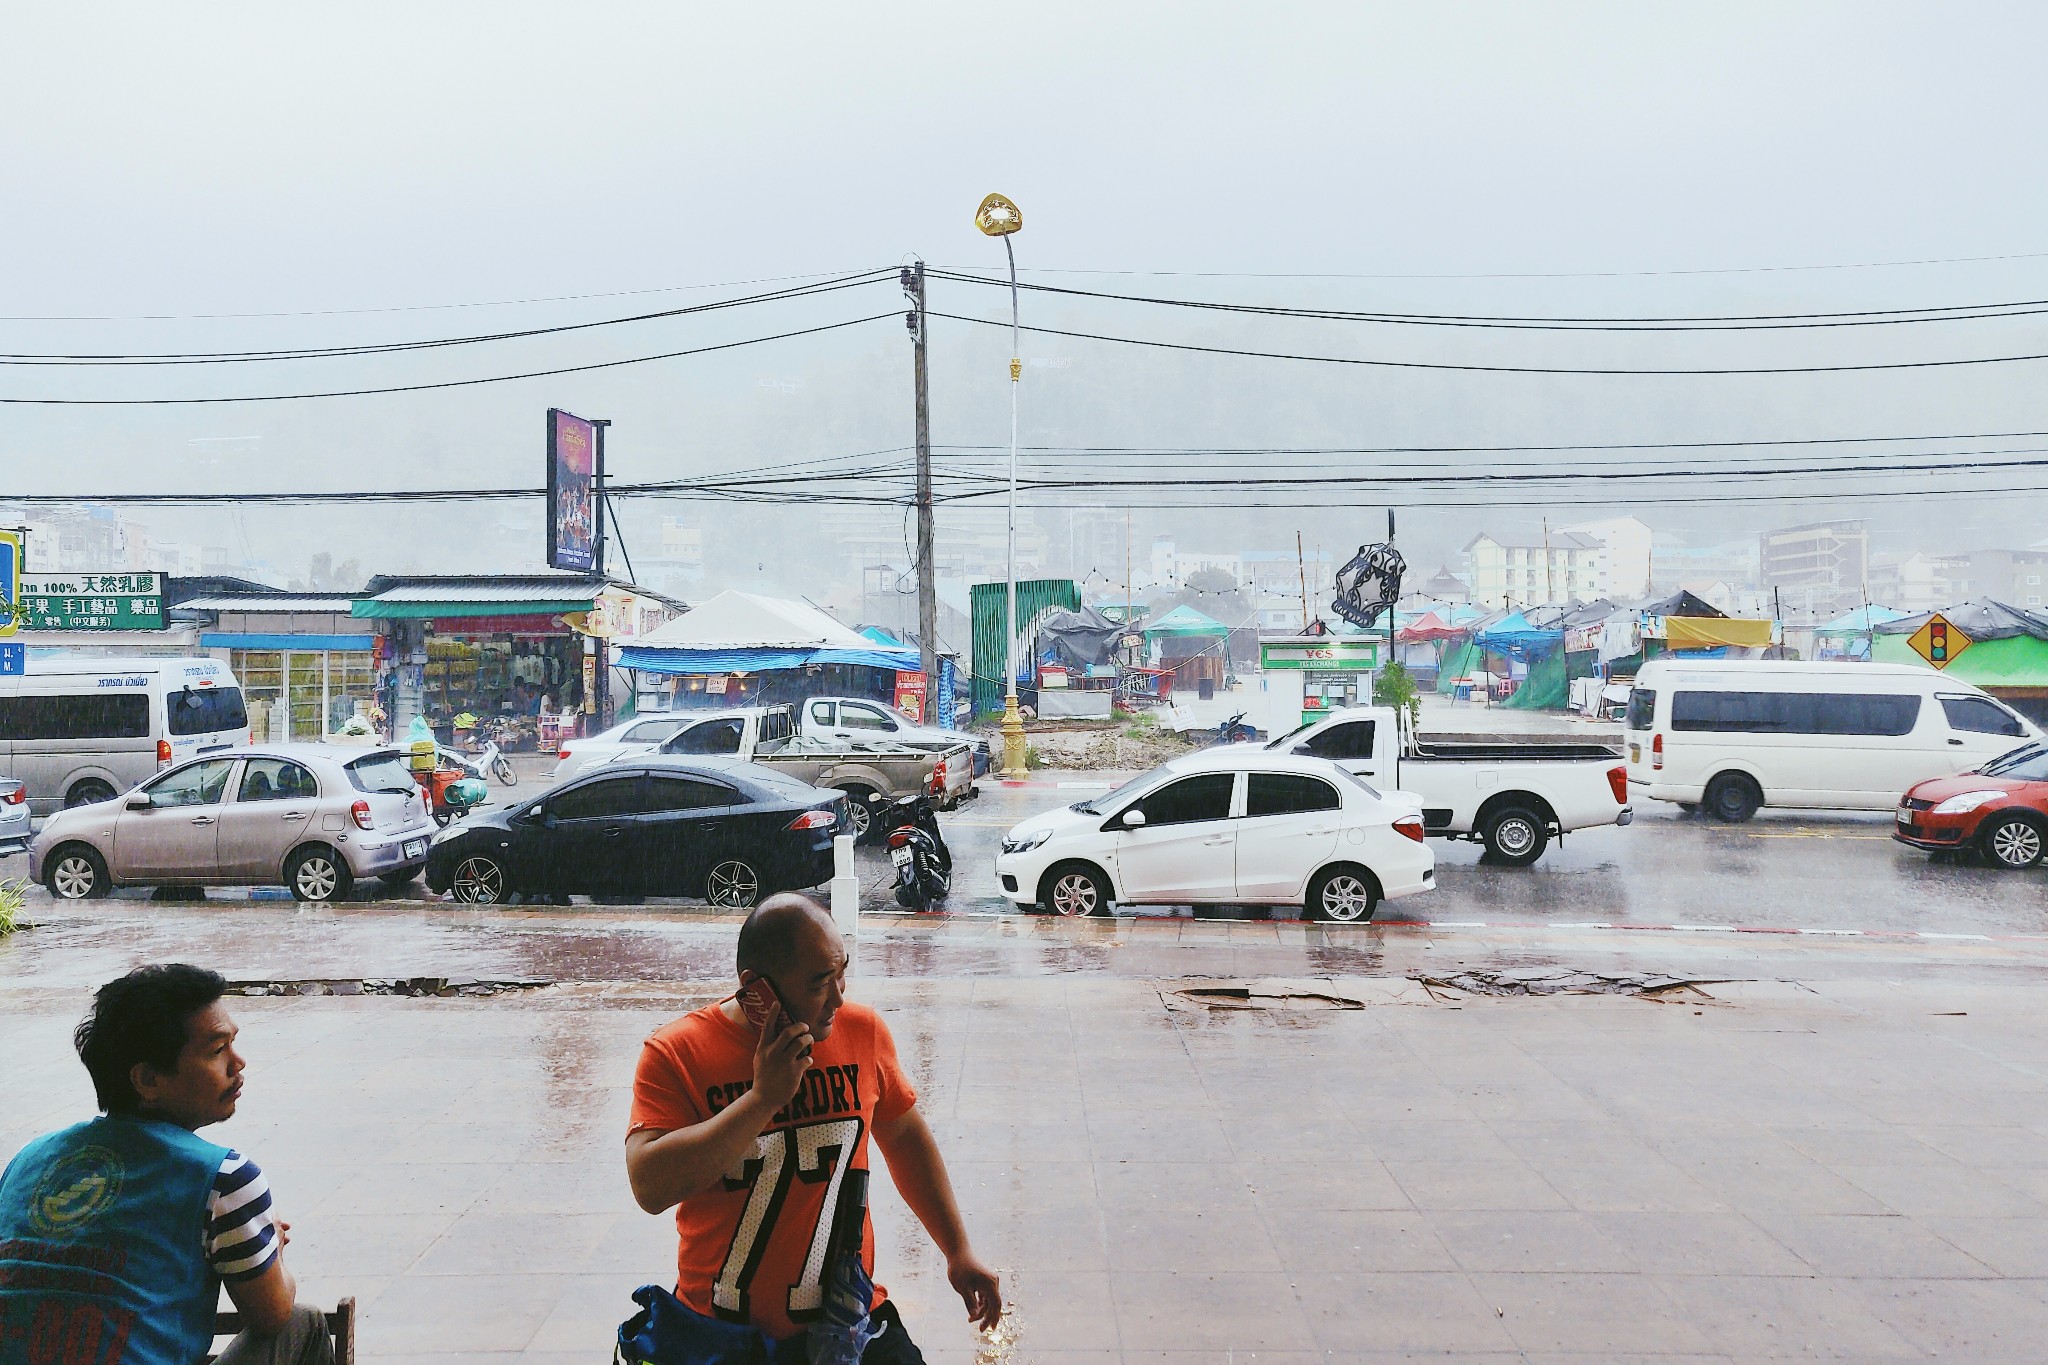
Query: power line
(1533, 275)
(1500, 369)
(1874, 317)
(415, 307)
(446, 383)
(1485, 449)
(96, 360)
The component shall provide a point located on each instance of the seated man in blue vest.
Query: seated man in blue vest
(116, 1234)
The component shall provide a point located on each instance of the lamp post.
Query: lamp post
(999, 217)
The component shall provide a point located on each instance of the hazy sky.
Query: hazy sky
(249, 159)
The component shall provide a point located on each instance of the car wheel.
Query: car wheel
(395, 880)
(1075, 890)
(1733, 797)
(1343, 895)
(478, 881)
(318, 875)
(860, 813)
(76, 873)
(1516, 836)
(90, 792)
(733, 884)
(2012, 841)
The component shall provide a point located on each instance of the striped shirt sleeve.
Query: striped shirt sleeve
(241, 1235)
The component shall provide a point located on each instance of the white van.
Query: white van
(79, 729)
(1734, 735)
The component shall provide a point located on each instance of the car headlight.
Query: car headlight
(1027, 843)
(1965, 802)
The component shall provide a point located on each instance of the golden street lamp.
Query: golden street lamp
(1000, 217)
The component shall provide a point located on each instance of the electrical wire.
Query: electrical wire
(1873, 317)
(446, 383)
(1498, 369)
(99, 360)
(1533, 275)
(1260, 451)
(415, 307)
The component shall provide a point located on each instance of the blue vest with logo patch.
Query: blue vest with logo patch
(103, 1246)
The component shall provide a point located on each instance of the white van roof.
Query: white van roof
(1789, 668)
(72, 665)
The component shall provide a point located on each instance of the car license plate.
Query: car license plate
(900, 856)
(1905, 817)
(415, 848)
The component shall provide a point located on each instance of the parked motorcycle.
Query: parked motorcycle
(452, 792)
(923, 863)
(483, 765)
(1235, 731)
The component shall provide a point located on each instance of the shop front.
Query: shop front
(519, 659)
(307, 668)
(1305, 677)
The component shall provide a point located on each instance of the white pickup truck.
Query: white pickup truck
(1512, 794)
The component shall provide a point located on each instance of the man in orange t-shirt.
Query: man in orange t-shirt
(748, 1128)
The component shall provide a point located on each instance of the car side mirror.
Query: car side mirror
(139, 803)
(1134, 819)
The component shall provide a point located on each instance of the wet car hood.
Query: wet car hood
(1939, 789)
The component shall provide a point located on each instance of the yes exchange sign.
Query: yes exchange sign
(92, 601)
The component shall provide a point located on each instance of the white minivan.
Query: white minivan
(1735, 735)
(78, 729)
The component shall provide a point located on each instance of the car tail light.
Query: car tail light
(361, 811)
(14, 796)
(1410, 825)
(939, 777)
(163, 751)
(1657, 752)
(1617, 782)
(814, 819)
(563, 756)
(898, 838)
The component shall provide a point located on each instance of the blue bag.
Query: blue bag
(667, 1331)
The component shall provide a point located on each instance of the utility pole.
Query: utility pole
(1549, 595)
(600, 645)
(1301, 568)
(927, 575)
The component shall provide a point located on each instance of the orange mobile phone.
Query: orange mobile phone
(757, 1003)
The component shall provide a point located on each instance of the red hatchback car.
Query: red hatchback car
(2000, 810)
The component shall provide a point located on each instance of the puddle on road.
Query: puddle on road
(1565, 981)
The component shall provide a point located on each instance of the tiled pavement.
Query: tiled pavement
(1851, 1170)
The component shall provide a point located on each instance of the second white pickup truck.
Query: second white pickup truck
(1513, 796)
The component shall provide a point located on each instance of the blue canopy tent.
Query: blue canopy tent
(738, 634)
(1513, 637)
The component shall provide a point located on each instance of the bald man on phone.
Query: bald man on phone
(748, 1117)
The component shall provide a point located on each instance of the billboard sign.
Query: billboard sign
(10, 581)
(573, 479)
(92, 601)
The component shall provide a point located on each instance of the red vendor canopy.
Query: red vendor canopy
(1427, 628)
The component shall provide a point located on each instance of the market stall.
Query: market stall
(741, 649)
(2007, 655)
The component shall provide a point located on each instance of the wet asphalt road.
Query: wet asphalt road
(1801, 871)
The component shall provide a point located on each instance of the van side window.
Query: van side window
(1794, 713)
(1642, 709)
(1980, 717)
(207, 710)
(1352, 739)
(89, 715)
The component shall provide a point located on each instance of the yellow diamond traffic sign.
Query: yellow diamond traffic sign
(1939, 642)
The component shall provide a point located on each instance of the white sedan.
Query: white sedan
(1233, 825)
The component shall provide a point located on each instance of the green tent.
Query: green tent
(1184, 621)
(1545, 689)
(1459, 661)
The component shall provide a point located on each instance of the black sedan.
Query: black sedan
(727, 831)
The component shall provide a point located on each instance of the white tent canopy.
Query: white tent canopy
(742, 620)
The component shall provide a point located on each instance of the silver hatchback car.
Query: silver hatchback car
(312, 817)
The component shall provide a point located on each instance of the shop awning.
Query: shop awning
(1708, 632)
(715, 662)
(507, 595)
